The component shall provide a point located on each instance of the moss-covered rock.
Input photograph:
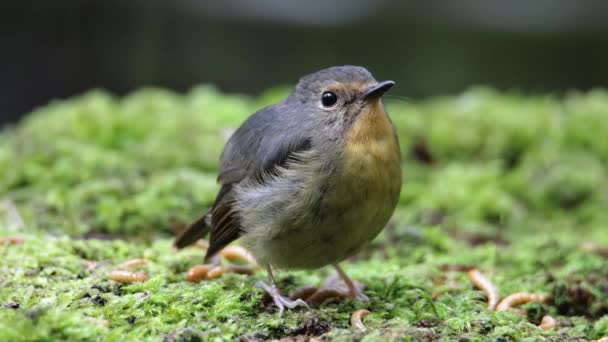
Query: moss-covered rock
(514, 185)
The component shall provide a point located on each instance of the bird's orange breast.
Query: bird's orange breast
(372, 157)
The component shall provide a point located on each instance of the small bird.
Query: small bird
(308, 181)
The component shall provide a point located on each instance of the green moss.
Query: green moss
(506, 183)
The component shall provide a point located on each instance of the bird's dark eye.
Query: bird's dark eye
(329, 99)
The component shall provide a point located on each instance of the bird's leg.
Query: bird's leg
(280, 301)
(353, 291)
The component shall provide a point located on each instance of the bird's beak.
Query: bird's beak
(378, 90)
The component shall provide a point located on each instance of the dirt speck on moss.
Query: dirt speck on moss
(184, 335)
(581, 297)
(311, 326)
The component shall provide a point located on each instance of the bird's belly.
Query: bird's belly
(348, 214)
(314, 245)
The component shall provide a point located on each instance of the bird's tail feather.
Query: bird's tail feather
(197, 230)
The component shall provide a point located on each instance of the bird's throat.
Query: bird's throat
(372, 134)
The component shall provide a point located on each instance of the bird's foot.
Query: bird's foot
(280, 301)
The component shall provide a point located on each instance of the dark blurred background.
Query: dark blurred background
(55, 49)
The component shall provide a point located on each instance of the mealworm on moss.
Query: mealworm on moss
(132, 263)
(103, 322)
(483, 283)
(322, 295)
(198, 272)
(303, 293)
(11, 240)
(519, 298)
(128, 277)
(237, 253)
(547, 323)
(356, 319)
(217, 271)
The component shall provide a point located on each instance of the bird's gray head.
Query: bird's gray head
(341, 91)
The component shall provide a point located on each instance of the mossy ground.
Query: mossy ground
(516, 186)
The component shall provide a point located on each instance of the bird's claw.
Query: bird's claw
(280, 301)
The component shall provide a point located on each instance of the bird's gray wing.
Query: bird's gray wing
(263, 142)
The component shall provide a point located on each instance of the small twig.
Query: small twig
(547, 323)
(519, 298)
(128, 277)
(483, 283)
(356, 319)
